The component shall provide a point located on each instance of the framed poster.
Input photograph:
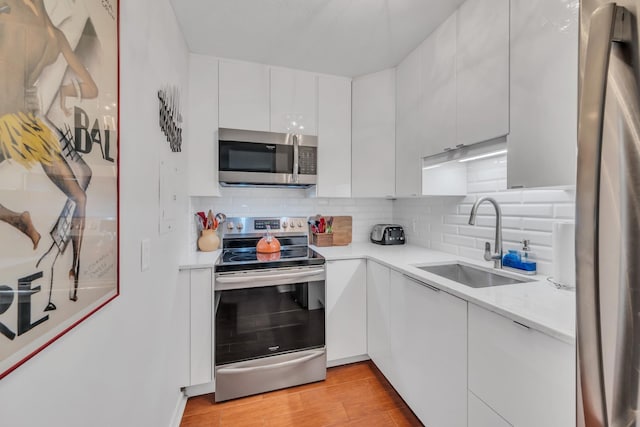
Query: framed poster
(58, 169)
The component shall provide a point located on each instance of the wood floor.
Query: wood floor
(352, 395)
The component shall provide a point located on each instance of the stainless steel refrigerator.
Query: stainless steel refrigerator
(608, 215)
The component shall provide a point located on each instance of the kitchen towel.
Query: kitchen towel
(564, 261)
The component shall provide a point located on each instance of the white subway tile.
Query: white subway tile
(475, 254)
(538, 224)
(565, 211)
(548, 196)
(452, 239)
(475, 231)
(537, 210)
(444, 247)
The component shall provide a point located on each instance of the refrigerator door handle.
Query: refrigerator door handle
(609, 23)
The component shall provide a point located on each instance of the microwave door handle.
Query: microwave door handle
(296, 154)
(608, 24)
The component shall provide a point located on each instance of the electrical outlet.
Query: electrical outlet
(145, 254)
(413, 225)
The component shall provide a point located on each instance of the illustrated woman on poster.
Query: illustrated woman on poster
(29, 42)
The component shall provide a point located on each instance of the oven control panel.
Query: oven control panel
(239, 226)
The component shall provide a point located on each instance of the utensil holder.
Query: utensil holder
(322, 239)
(208, 241)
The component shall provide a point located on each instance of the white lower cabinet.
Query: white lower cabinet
(378, 281)
(346, 310)
(525, 376)
(480, 415)
(201, 332)
(428, 337)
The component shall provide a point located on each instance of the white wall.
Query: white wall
(292, 202)
(118, 367)
(441, 223)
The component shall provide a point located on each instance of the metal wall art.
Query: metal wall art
(58, 169)
(171, 117)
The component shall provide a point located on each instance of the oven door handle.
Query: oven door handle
(249, 280)
(293, 362)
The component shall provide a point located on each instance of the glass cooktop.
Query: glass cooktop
(237, 260)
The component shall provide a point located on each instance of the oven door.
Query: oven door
(269, 329)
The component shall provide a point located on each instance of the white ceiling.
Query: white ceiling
(343, 37)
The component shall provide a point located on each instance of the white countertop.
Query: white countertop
(200, 260)
(536, 304)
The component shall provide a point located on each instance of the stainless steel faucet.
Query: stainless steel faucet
(497, 256)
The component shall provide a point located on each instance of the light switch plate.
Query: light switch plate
(145, 254)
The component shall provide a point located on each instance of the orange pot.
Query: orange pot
(268, 245)
(268, 257)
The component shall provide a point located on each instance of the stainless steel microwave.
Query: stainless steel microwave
(266, 158)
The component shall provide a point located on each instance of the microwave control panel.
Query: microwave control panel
(307, 160)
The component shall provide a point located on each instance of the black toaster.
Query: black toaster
(387, 234)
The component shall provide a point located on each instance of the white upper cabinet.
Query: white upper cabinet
(544, 90)
(334, 137)
(202, 146)
(438, 89)
(294, 101)
(408, 129)
(244, 96)
(373, 135)
(482, 70)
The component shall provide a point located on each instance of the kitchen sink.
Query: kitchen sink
(474, 277)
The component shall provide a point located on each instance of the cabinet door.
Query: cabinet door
(201, 328)
(438, 89)
(430, 354)
(202, 149)
(482, 70)
(408, 144)
(293, 99)
(374, 135)
(378, 280)
(480, 415)
(334, 137)
(525, 376)
(346, 309)
(244, 96)
(544, 89)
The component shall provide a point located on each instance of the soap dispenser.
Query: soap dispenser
(527, 257)
(526, 254)
(520, 261)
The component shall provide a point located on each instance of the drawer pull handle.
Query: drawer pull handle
(522, 325)
(418, 282)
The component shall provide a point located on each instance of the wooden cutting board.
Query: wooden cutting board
(342, 226)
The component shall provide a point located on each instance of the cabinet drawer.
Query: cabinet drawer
(480, 415)
(524, 375)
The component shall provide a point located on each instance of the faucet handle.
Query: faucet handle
(487, 251)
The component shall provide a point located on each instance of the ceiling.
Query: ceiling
(342, 37)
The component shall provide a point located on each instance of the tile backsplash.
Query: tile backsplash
(441, 223)
(292, 202)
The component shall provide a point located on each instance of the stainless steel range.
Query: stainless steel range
(269, 309)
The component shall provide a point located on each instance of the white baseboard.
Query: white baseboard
(179, 411)
(200, 389)
(347, 360)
